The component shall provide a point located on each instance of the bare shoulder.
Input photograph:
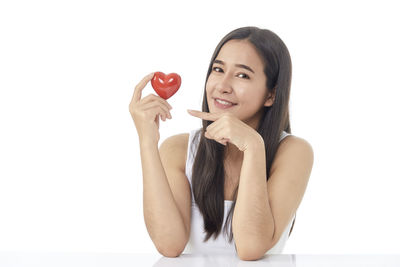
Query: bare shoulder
(292, 148)
(293, 140)
(176, 145)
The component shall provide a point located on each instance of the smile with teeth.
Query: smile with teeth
(224, 102)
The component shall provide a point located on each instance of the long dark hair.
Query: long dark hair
(208, 173)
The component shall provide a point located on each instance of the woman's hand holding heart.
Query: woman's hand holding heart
(147, 111)
(227, 128)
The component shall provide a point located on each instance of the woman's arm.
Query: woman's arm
(263, 211)
(166, 224)
(252, 222)
(164, 183)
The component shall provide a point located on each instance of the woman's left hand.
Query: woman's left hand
(227, 128)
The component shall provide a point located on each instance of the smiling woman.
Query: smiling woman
(242, 171)
(248, 86)
(243, 83)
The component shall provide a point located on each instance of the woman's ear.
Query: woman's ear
(270, 98)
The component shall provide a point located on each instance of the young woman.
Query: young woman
(242, 171)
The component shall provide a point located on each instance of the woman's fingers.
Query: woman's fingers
(157, 110)
(137, 93)
(158, 100)
(154, 112)
(154, 104)
(153, 97)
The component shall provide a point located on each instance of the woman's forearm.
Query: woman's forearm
(161, 214)
(253, 223)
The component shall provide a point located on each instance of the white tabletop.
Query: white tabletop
(52, 259)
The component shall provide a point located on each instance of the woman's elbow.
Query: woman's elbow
(250, 254)
(250, 257)
(170, 252)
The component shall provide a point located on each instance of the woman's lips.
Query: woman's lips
(222, 106)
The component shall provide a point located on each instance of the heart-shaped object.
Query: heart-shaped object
(166, 85)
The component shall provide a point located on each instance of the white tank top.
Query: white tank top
(197, 233)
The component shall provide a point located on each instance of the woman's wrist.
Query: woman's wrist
(147, 143)
(256, 143)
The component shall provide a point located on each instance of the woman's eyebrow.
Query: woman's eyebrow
(237, 65)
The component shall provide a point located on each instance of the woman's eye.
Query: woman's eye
(245, 75)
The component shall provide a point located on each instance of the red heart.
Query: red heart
(166, 85)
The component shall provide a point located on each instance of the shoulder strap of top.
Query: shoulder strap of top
(283, 135)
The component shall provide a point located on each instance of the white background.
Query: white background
(70, 170)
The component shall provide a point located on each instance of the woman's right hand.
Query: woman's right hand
(145, 112)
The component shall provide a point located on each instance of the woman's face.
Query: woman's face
(237, 76)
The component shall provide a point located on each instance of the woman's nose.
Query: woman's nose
(224, 84)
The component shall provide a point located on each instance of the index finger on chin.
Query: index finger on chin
(203, 115)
